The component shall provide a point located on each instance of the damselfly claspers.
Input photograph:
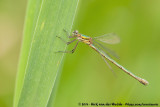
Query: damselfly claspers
(108, 38)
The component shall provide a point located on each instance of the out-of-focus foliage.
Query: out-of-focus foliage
(12, 13)
(85, 76)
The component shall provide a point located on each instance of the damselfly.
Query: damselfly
(92, 42)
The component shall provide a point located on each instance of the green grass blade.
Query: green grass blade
(39, 64)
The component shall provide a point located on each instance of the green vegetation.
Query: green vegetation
(82, 77)
(39, 64)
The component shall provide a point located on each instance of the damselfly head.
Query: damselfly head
(75, 33)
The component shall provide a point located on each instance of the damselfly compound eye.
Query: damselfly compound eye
(75, 32)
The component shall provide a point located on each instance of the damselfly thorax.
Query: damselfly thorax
(85, 39)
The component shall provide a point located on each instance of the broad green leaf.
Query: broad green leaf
(39, 63)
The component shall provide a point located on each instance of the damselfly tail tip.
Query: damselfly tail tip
(143, 81)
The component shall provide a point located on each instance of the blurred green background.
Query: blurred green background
(85, 76)
(12, 14)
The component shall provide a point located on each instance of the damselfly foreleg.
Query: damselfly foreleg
(65, 41)
(72, 51)
(67, 33)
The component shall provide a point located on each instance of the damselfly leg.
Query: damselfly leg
(72, 51)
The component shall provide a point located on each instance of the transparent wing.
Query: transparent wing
(110, 38)
(101, 47)
(109, 66)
